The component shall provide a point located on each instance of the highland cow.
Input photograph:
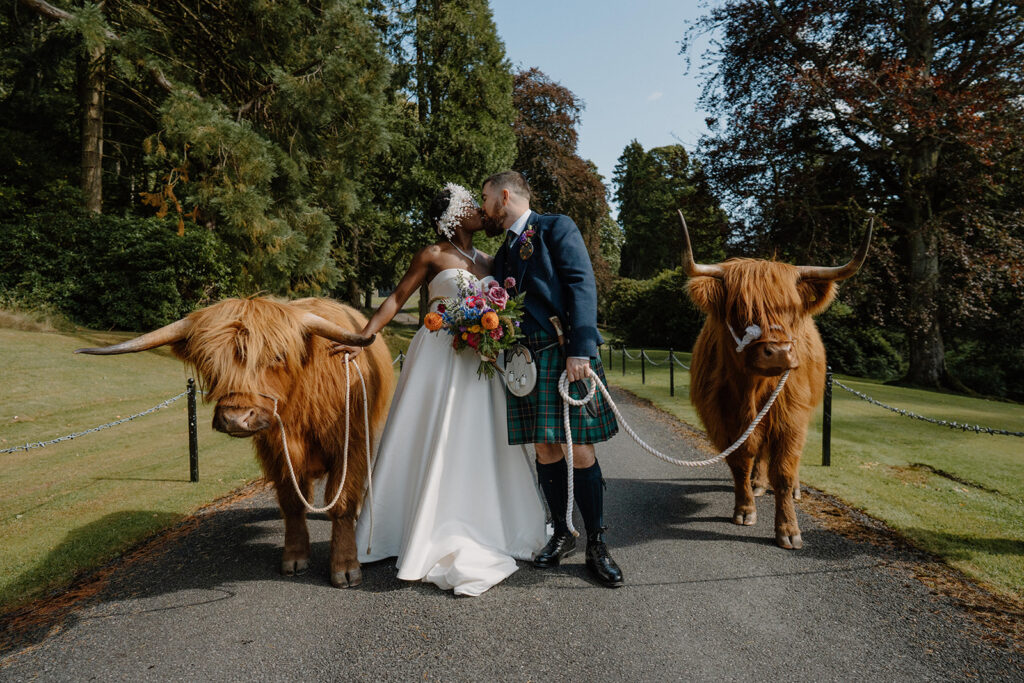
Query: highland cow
(759, 325)
(246, 353)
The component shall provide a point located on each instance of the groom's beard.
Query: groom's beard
(493, 225)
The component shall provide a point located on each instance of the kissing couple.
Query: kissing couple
(454, 499)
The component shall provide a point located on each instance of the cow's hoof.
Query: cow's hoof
(789, 541)
(347, 579)
(759, 491)
(295, 565)
(796, 493)
(746, 518)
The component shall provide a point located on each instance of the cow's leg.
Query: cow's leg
(783, 474)
(745, 510)
(759, 477)
(345, 571)
(295, 559)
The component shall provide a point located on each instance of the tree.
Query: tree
(919, 100)
(454, 90)
(560, 180)
(256, 121)
(651, 186)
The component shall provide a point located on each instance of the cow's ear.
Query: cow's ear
(817, 295)
(708, 293)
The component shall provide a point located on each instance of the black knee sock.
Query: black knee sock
(589, 492)
(554, 483)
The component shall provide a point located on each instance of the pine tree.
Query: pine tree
(454, 95)
(651, 186)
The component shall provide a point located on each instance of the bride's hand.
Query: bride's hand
(352, 351)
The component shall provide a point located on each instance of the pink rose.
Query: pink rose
(498, 296)
(497, 333)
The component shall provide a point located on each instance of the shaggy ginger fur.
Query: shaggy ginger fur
(728, 394)
(247, 350)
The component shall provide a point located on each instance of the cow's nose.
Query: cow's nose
(778, 356)
(237, 421)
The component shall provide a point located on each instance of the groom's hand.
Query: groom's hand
(576, 368)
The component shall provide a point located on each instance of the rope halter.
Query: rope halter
(751, 335)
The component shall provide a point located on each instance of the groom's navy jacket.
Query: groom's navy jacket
(558, 280)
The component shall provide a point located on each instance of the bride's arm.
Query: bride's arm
(411, 281)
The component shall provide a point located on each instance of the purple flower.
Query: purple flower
(510, 282)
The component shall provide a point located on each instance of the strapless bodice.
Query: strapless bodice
(446, 284)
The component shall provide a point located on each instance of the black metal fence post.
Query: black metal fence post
(826, 422)
(671, 374)
(193, 436)
(643, 368)
(401, 361)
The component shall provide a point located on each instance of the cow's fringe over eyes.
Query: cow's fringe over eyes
(234, 357)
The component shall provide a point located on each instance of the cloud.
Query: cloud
(655, 96)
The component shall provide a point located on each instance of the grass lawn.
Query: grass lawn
(74, 505)
(959, 495)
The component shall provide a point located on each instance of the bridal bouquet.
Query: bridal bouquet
(483, 317)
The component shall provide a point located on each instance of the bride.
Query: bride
(451, 500)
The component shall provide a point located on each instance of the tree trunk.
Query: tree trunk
(927, 353)
(91, 83)
(924, 334)
(424, 302)
(354, 293)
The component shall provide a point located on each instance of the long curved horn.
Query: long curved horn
(168, 334)
(325, 328)
(840, 272)
(692, 268)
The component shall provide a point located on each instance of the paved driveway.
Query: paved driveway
(704, 600)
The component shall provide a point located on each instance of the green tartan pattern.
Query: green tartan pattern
(537, 417)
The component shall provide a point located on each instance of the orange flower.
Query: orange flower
(490, 320)
(432, 321)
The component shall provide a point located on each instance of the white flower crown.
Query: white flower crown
(460, 204)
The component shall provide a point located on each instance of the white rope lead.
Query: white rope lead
(595, 384)
(344, 467)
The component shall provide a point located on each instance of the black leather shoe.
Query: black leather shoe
(562, 544)
(601, 564)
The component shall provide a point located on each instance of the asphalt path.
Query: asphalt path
(704, 600)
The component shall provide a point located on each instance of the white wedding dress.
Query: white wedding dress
(452, 501)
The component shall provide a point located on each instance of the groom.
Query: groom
(546, 256)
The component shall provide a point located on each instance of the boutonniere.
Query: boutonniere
(526, 245)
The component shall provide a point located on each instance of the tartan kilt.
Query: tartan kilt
(537, 417)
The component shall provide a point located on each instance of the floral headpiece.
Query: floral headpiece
(460, 204)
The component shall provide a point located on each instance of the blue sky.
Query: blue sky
(621, 58)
